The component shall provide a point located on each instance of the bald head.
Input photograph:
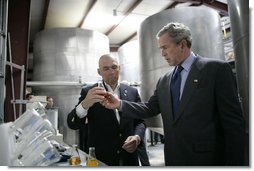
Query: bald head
(106, 58)
(109, 69)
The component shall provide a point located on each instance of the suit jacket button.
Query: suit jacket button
(118, 151)
(120, 135)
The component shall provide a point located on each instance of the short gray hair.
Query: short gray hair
(177, 31)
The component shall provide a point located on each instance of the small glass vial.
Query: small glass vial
(92, 161)
(75, 158)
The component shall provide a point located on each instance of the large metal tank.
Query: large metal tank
(66, 55)
(128, 55)
(129, 59)
(207, 41)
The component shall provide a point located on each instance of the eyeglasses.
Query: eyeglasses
(107, 68)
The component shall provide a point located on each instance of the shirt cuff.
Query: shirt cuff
(80, 111)
(139, 139)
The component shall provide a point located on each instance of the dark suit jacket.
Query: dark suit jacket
(209, 128)
(104, 131)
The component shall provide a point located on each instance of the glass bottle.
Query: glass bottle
(92, 161)
(75, 157)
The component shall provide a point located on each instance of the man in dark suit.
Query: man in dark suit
(115, 137)
(205, 126)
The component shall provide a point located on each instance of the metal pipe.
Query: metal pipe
(21, 91)
(68, 83)
(14, 65)
(22, 68)
(239, 20)
(12, 81)
(57, 83)
(3, 53)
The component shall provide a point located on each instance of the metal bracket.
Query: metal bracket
(19, 101)
(2, 33)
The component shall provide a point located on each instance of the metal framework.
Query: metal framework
(22, 69)
(3, 38)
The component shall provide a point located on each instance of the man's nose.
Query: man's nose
(111, 70)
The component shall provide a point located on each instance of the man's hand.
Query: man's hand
(131, 143)
(94, 95)
(111, 102)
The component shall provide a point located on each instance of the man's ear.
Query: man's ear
(184, 43)
(98, 71)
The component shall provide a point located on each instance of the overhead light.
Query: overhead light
(114, 12)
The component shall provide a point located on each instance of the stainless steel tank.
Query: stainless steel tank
(128, 55)
(129, 60)
(207, 41)
(66, 54)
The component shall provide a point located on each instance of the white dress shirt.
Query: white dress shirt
(81, 112)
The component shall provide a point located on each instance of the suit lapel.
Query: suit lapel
(170, 99)
(190, 85)
(123, 92)
(123, 96)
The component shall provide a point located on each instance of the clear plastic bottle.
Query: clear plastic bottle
(75, 157)
(92, 161)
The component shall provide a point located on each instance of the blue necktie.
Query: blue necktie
(175, 88)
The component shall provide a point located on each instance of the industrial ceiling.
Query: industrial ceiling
(118, 19)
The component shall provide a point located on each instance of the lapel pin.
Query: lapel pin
(125, 93)
(195, 81)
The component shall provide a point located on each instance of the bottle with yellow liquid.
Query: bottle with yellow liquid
(92, 161)
(75, 158)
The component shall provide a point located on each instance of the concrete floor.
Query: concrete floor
(156, 154)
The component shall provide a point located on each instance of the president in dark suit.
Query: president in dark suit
(202, 118)
(115, 137)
